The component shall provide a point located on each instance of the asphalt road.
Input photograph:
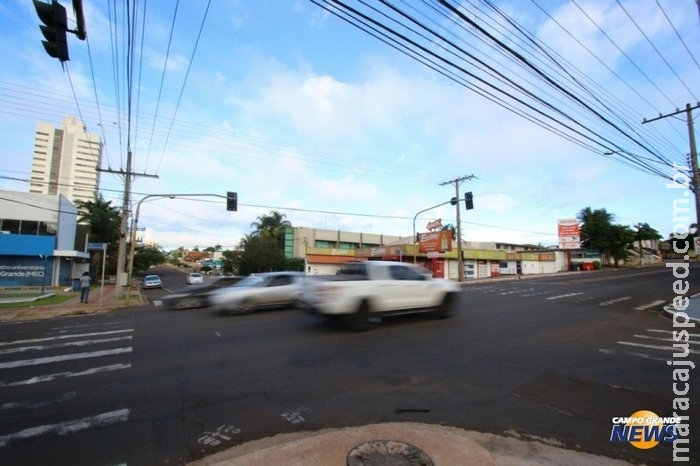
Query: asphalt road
(547, 358)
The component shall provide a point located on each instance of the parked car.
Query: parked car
(152, 281)
(196, 296)
(194, 278)
(259, 291)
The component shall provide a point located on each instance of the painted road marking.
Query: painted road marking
(22, 349)
(64, 357)
(656, 303)
(66, 375)
(657, 347)
(69, 427)
(568, 295)
(62, 337)
(615, 301)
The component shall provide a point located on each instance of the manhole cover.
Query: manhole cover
(389, 453)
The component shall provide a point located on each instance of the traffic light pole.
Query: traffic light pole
(460, 259)
(135, 222)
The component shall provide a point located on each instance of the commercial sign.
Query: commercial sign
(434, 225)
(435, 241)
(569, 233)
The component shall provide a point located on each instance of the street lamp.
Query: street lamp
(135, 221)
(132, 238)
(414, 224)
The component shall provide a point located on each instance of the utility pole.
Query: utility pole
(122, 278)
(695, 182)
(460, 259)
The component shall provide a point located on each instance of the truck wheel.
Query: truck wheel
(446, 308)
(359, 321)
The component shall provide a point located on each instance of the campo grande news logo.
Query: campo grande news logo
(643, 429)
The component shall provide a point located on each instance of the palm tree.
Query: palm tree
(103, 218)
(104, 222)
(270, 226)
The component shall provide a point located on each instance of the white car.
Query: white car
(194, 278)
(259, 291)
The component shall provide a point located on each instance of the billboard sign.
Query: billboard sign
(435, 241)
(569, 233)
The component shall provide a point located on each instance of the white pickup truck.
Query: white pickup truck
(361, 290)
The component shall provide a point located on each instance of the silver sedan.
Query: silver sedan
(259, 291)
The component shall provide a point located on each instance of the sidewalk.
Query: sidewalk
(692, 311)
(101, 300)
(401, 443)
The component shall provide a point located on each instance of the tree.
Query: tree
(104, 221)
(645, 233)
(599, 232)
(103, 218)
(146, 256)
(260, 254)
(270, 226)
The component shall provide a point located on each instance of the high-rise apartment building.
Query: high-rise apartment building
(66, 161)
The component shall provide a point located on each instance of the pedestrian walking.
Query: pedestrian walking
(84, 287)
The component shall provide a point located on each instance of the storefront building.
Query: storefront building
(325, 252)
(37, 241)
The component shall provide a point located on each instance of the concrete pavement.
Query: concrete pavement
(100, 300)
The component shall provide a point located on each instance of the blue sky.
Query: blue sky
(300, 112)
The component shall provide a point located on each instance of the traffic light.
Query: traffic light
(453, 201)
(53, 15)
(231, 201)
(469, 200)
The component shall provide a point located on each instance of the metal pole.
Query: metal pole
(414, 224)
(693, 161)
(135, 221)
(104, 259)
(460, 259)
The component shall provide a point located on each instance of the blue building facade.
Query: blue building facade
(37, 241)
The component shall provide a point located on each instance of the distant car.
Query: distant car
(194, 278)
(152, 281)
(259, 291)
(195, 296)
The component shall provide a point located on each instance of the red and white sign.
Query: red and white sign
(569, 233)
(434, 225)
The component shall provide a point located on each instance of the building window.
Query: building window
(11, 227)
(29, 227)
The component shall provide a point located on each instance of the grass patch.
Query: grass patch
(50, 301)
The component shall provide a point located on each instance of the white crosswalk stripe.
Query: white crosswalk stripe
(66, 353)
(656, 344)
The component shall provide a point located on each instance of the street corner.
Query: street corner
(688, 310)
